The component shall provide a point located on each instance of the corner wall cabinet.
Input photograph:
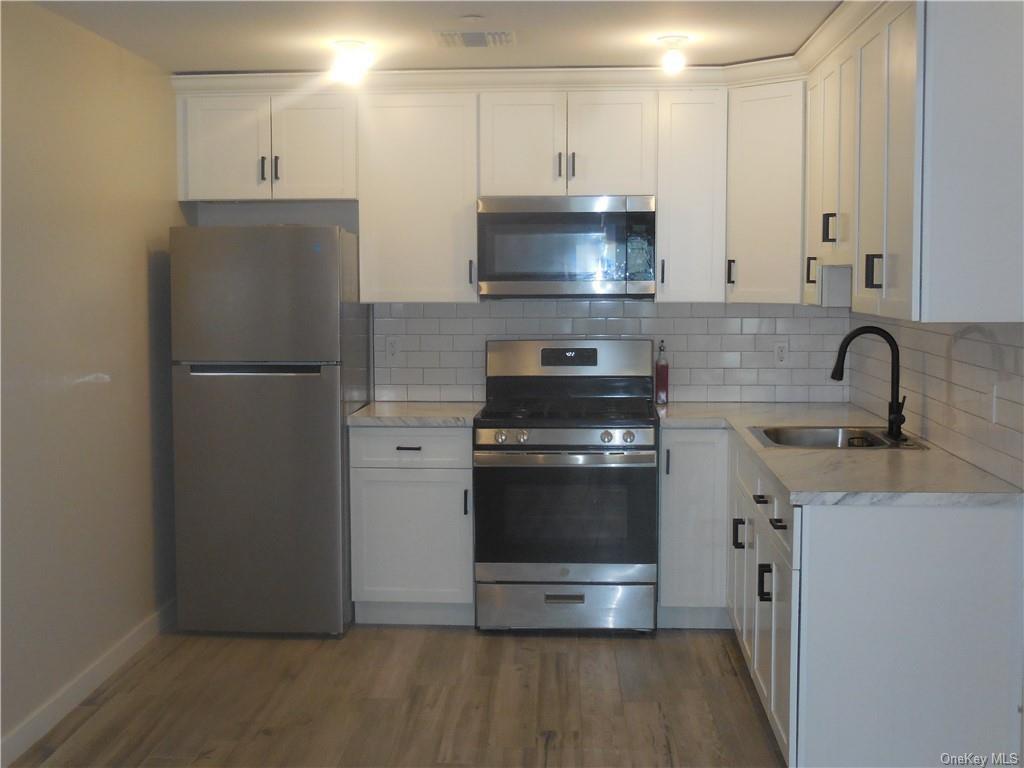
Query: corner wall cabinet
(412, 524)
(417, 198)
(575, 143)
(692, 133)
(287, 147)
(765, 193)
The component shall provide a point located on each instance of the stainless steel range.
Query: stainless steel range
(565, 485)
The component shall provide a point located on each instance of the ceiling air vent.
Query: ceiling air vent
(476, 39)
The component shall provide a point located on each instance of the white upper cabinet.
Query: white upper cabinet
(417, 197)
(692, 132)
(314, 147)
(613, 139)
(522, 143)
(226, 150)
(764, 233)
(268, 147)
(580, 143)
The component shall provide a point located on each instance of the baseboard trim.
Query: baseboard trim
(436, 614)
(693, 618)
(53, 710)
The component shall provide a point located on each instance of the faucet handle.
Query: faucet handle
(903, 402)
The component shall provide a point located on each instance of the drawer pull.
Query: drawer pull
(736, 523)
(572, 599)
(760, 498)
(408, 447)
(763, 569)
(778, 523)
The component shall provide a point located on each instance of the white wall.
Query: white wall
(88, 195)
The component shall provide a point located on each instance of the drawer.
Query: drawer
(411, 447)
(779, 512)
(565, 606)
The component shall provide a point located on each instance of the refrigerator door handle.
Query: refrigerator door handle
(218, 369)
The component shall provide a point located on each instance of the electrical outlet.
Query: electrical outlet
(391, 350)
(779, 353)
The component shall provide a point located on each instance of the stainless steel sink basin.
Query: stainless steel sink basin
(828, 437)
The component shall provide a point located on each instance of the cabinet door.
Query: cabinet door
(871, 200)
(692, 565)
(900, 291)
(692, 131)
(813, 255)
(612, 142)
(412, 535)
(750, 603)
(765, 192)
(522, 143)
(227, 148)
(737, 559)
(764, 560)
(314, 147)
(417, 201)
(843, 228)
(785, 591)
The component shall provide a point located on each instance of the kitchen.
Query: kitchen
(338, 430)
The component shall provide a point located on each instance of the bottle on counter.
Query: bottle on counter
(661, 376)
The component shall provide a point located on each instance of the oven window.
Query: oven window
(565, 515)
(566, 247)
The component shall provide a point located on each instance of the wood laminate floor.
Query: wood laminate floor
(414, 696)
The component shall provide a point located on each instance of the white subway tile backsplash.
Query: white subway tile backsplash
(716, 350)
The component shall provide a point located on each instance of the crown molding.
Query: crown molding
(840, 24)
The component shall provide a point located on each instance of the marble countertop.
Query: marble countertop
(813, 476)
(829, 476)
(415, 415)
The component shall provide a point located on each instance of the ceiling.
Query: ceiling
(289, 36)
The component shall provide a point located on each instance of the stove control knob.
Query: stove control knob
(607, 437)
(500, 436)
(522, 435)
(628, 436)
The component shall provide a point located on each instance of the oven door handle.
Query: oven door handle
(633, 459)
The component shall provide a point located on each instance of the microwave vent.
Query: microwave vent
(476, 39)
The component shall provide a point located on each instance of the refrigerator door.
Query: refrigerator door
(255, 293)
(257, 453)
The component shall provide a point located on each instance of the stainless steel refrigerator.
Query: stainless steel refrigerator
(271, 352)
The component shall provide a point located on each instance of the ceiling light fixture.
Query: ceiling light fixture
(352, 60)
(673, 61)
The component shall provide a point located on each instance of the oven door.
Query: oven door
(565, 246)
(557, 516)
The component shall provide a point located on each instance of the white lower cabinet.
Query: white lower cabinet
(692, 570)
(412, 525)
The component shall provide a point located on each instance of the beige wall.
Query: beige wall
(88, 195)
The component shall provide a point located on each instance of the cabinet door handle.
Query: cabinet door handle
(763, 569)
(760, 498)
(465, 502)
(572, 165)
(870, 259)
(277, 167)
(470, 271)
(778, 523)
(263, 167)
(408, 447)
(736, 523)
(662, 271)
(559, 165)
(668, 461)
(729, 279)
(826, 229)
(807, 277)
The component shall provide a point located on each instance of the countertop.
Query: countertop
(829, 476)
(813, 476)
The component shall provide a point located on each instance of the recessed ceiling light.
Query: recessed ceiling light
(673, 61)
(352, 60)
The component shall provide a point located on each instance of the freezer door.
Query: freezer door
(257, 480)
(255, 293)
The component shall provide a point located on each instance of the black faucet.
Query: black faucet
(896, 417)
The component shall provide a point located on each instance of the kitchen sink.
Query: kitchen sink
(828, 437)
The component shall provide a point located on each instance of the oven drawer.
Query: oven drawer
(565, 606)
(412, 447)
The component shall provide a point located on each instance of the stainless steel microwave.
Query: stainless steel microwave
(600, 246)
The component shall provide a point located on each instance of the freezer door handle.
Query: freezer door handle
(206, 369)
